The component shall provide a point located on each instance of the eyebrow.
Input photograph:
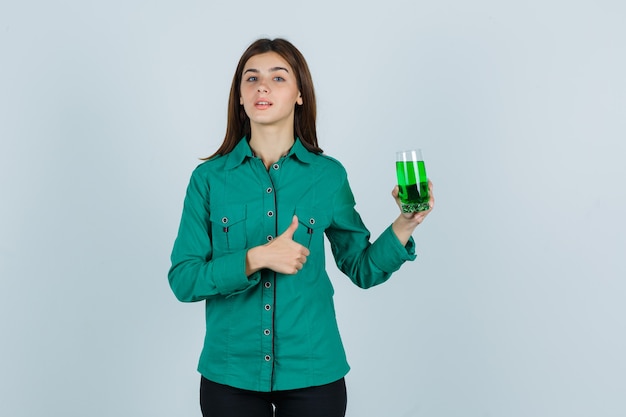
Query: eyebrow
(273, 69)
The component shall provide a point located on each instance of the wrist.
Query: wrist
(254, 260)
(403, 228)
(406, 222)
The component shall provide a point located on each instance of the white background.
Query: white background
(515, 305)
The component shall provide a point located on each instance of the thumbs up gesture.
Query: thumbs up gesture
(282, 254)
(288, 234)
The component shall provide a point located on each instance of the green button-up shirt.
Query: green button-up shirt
(270, 331)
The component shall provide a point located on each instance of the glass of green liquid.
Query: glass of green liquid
(412, 181)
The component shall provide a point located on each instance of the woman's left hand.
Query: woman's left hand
(406, 223)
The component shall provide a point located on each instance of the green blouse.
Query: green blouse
(270, 331)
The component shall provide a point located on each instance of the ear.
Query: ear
(241, 101)
(299, 100)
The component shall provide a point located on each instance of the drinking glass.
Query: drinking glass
(412, 181)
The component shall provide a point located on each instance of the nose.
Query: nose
(263, 89)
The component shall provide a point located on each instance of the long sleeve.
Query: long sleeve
(195, 273)
(365, 263)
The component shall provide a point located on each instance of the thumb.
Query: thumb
(292, 228)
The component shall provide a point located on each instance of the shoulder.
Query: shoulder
(329, 164)
(205, 172)
(215, 164)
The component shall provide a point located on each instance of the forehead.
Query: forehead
(267, 61)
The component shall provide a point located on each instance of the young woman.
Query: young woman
(251, 245)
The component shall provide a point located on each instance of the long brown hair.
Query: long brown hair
(238, 124)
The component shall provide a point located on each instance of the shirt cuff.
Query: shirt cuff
(389, 254)
(230, 274)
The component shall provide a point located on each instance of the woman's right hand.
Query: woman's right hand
(282, 255)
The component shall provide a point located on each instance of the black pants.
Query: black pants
(217, 400)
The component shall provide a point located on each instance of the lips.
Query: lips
(262, 104)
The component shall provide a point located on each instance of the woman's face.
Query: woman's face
(269, 90)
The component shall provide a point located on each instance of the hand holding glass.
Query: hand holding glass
(412, 181)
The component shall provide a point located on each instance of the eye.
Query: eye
(279, 78)
(251, 79)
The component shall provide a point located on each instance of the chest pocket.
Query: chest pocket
(228, 226)
(312, 225)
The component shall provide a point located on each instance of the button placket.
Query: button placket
(269, 219)
(266, 216)
(269, 208)
(267, 320)
(267, 327)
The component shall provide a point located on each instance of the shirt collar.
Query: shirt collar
(243, 151)
(299, 151)
(238, 154)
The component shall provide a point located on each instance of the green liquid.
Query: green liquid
(413, 185)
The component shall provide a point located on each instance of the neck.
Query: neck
(270, 145)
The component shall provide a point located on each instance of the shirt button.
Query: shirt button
(224, 220)
(270, 213)
(268, 284)
(269, 190)
(268, 307)
(276, 166)
(268, 358)
(270, 238)
(266, 332)
(312, 220)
